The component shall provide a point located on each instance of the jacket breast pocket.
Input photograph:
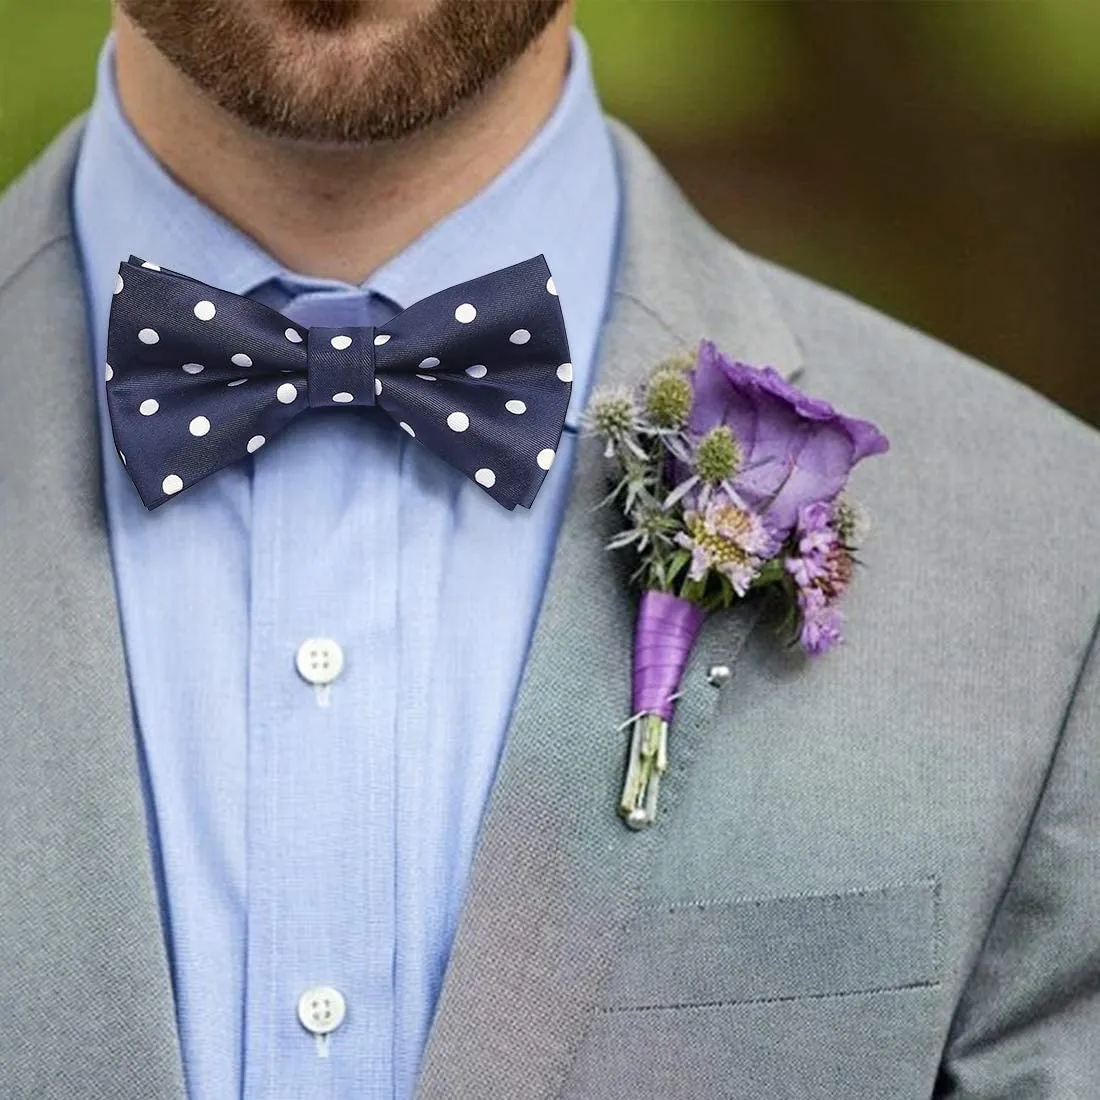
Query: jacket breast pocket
(803, 997)
(755, 949)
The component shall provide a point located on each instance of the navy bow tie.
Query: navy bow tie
(198, 378)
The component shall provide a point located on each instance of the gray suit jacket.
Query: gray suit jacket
(875, 876)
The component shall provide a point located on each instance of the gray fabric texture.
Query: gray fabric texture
(874, 875)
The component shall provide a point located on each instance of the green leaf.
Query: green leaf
(677, 562)
(770, 573)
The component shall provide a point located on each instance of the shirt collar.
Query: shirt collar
(559, 197)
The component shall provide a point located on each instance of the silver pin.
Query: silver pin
(717, 675)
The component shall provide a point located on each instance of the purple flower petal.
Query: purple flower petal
(821, 630)
(796, 449)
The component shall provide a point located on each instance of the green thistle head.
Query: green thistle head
(613, 413)
(717, 455)
(681, 362)
(668, 398)
(655, 523)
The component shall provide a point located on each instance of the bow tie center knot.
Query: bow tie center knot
(340, 367)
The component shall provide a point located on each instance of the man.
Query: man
(876, 875)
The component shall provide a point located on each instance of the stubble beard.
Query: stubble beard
(329, 72)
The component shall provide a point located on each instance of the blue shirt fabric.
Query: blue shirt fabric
(304, 837)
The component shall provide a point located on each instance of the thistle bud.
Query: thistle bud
(681, 362)
(852, 522)
(717, 455)
(668, 398)
(613, 414)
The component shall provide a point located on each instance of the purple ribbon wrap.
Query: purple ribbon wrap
(664, 634)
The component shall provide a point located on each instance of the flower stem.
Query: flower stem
(647, 763)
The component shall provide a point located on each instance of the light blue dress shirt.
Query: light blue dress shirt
(305, 836)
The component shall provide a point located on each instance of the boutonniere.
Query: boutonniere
(729, 479)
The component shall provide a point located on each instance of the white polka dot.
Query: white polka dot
(109, 373)
(118, 284)
(458, 422)
(151, 267)
(123, 457)
(148, 406)
(427, 364)
(205, 310)
(172, 484)
(255, 443)
(380, 339)
(550, 285)
(565, 372)
(465, 313)
(378, 385)
(545, 458)
(427, 377)
(520, 336)
(293, 335)
(515, 406)
(241, 360)
(199, 426)
(238, 382)
(408, 429)
(340, 342)
(485, 477)
(286, 393)
(343, 397)
(476, 371)
(148, 336)
(193, 368)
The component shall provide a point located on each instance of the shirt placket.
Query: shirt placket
(323, 682)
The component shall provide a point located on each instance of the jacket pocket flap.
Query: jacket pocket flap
(777, 948)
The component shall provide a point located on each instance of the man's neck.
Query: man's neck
(335, 213)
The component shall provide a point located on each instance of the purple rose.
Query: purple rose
(796, 450)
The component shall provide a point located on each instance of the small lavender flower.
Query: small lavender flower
(837, 572)
(815, 540)
(815, 536)
(728, 537)
(805, 570)
(821, 628)
(822, 571)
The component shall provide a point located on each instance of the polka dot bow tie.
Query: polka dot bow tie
(198, 378)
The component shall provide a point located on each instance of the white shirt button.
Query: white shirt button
(319, 660)
(321, 1009)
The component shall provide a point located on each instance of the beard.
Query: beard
(340, 72)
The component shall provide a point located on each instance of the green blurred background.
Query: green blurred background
(939, 159)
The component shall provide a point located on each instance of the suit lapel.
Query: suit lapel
(82, 961)
(556, 872)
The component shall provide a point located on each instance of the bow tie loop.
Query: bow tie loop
(340, 367)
